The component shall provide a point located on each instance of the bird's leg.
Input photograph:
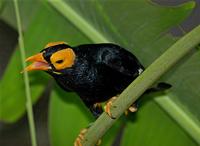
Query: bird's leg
(81, 137)
(96, 109)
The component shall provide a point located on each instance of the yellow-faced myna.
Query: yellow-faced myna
(96, 72)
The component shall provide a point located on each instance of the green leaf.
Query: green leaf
(140, 26)
(185, 82)
(8, 14)
(68, 115)
(1, 4)
(153, 127)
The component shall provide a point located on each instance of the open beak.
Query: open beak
(39, 63)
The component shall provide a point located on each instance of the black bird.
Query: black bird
(96, 72)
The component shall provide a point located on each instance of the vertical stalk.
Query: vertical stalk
(26, 79)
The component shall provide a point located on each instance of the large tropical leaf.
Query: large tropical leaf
(142, 27)
(153, 127)
(27, 12)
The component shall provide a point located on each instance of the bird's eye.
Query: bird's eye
(63, 59)
(59, 61)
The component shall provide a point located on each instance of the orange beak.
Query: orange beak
(39, 63)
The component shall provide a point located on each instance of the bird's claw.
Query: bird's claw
(108, 107)
(81, 137)
(133, 108)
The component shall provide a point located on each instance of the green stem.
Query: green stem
(26, 79)
(137, 88)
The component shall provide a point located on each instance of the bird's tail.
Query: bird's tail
(162, 86)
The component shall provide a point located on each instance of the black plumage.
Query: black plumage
(100, 71)
(97, 71)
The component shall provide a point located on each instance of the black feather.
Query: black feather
(100, 72)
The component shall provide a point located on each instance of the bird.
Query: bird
(96, 72)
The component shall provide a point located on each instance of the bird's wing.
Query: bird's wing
(120, 60)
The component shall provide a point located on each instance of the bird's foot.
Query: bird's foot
(133, 108)
(81, 135)
(108, 106)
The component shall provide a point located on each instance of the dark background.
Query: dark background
(18, 133)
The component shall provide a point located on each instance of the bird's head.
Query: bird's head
(54, 58)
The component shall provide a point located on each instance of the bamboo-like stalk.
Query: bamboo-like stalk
(26, 79)
(138, 87)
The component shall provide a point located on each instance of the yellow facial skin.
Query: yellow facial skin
(63, 59)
